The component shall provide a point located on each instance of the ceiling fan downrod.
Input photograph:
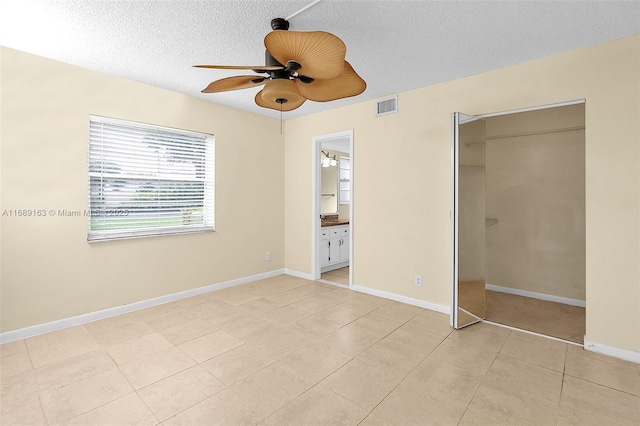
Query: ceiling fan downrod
(279, 24)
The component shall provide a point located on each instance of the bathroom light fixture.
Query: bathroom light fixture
(327, 161)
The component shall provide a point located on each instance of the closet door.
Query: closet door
(468, 220)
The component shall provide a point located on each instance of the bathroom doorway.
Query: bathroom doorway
(332, 239)
(519, 220)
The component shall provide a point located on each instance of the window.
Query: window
(345, 180)
(148, 180)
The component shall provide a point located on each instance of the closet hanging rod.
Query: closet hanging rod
(488, 221)
(516, 135)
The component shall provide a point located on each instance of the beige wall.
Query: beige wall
(49, 271)
(409, 233)
(535, 187)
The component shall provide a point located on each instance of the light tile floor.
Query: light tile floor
(287, 351)
(339, 276)
(559, 320)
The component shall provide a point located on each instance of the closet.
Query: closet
(519, 233)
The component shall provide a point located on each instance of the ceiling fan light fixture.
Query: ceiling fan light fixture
(280, 94)
(281, 90)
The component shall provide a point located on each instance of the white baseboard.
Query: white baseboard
(384, 294)
(334, 267)
(404, 299)
(35, 330)
(334, 284)
(624, 354)
(534, 295)
(299, 274)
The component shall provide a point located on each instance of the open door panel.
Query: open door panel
(468, 221)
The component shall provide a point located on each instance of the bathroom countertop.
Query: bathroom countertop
(325, 223)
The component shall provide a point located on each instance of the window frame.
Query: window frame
(206, 157)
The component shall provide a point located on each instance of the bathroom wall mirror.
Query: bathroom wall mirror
(330, 153)
(328, 185)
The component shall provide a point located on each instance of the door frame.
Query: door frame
(316, 143)
(454, 192)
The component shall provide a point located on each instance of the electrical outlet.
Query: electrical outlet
(268, 256)
(418, 280)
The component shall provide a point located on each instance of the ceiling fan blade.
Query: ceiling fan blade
(320, 54)
(279, 89)
(347, 85)
(234, 83)
(242, 67)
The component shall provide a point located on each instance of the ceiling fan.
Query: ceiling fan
(299, 66)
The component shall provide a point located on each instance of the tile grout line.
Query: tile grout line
(531, 363)
(103, 348)
(407, 375)
(74, 381)
(32, 371)
(586, 355)
(351, 360)
(484, 378)
(147, 405)
(44, 414)
(564, 369)
(190, 406)
(280, 358)
(601, 385)
(289, 402)
(132, 387)
(198, 364)
(250, 403)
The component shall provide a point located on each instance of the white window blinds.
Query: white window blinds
(147, 180)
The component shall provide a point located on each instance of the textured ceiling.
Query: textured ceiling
(394, 45)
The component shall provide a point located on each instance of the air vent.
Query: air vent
(387, 105)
